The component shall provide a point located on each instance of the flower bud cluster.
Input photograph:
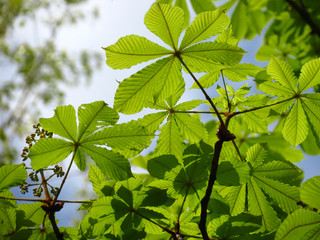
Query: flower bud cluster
(30, 140)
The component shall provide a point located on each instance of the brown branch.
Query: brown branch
(206, 198)
(56, 230)
(305, 16)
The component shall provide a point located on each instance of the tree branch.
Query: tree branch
(206, 198)
(305, 16)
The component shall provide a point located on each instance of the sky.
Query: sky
(119, 18)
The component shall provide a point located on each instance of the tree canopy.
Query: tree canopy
(232, 177)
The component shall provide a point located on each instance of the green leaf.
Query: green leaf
(232, 172)
(80, 159)
(112, 164)
(283, 73)
(310, 192)
(190, 128)
(313, 114)
(208, 79)
(202, 5)
(163, 167)
(285, 195)
(188, 105)
(310, 75)
(158, 79)
(241, 71)
(275, 89)
(217, 52)
(49, 151)
(152, 121)
(236, 198)
(123, 136)
(256, 155)
(279, 170)
(298, 224)
(63, 123)
(131, 50)
(254, 122)
(30, 215)
(94, 116)
(7, 215)
(227, 37)
(259, 206)
(166, 22)
(295, 128)
(12, 175)
(205, 25)
(183, 4)
(170, 140)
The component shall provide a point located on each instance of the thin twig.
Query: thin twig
(225, 88)
(64, 178)
(257, 108)
(203, 91)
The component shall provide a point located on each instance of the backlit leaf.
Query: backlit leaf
(166, 22)
(94, 116)
(310, 75)
(63, 123)
(49, 151)
(295, 128)
(12, 175)
(112, 164)
(131, 50)
(298, 224)
(205, 25)
(283, 73)
(310, 192)
(137, 91)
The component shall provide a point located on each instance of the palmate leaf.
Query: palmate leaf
(298, 224)
(93, 119)
(166, 22)
(131, 50)
(159, 80)
(295, 128)
(30, 215)
(12, 175)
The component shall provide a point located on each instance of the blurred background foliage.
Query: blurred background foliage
(35, 73)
